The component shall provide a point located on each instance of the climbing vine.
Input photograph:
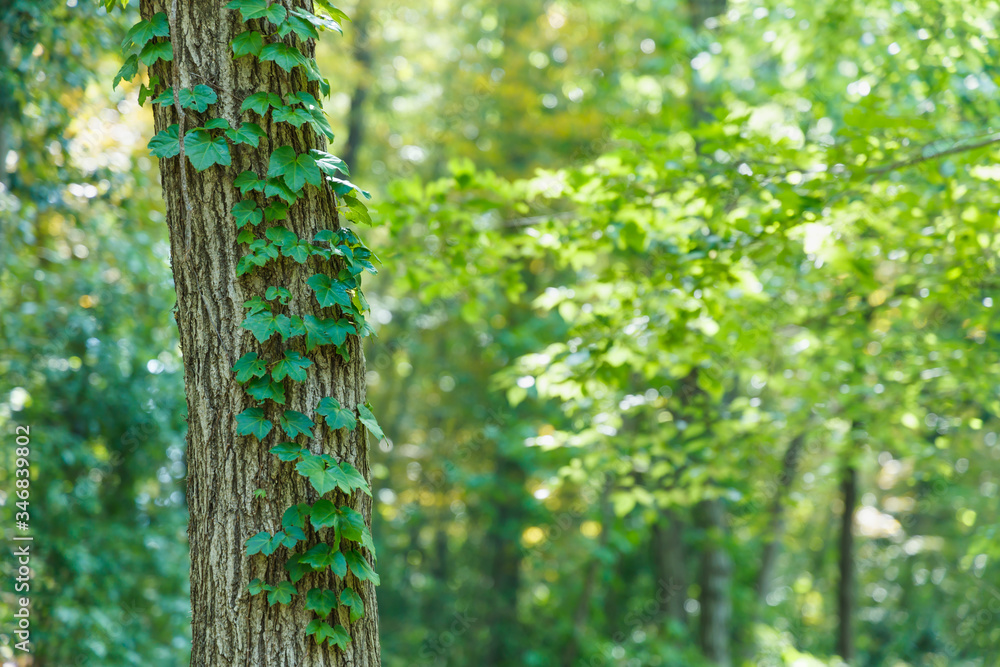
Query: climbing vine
(272, 34)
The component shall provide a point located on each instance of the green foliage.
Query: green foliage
(203, 151)
(284, 56)
(253, 422)
(197, 98)
(248, 43)
(258, 9)
(336, 416)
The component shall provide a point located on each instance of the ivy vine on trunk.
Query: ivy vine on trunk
(271, 317)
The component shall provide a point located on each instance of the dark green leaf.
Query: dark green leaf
(304, 29)
(143, 31)
(156, 51)
(260, 102)
(248, 182)
(329, 292)
(367, 418)
(320, 601)
(127, 71)
(284, 56)
(294, 423)
(248, 133)
(291, 115)
(282, 593)
(264, 388)
(276, 210)
(350, 599)
(165, 143)
(318, 21)
(252, 422)
(247, 43)
(198, 98)
(249, 366)
(204, 151)
(293, 366)
(336, 416)
(247, 212)
(258, 9)
(289, 451)
(360, 568)
(296, 568)
(330, 164)
(320, 630)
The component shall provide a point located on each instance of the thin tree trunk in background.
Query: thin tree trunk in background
(363, 58)
(845, 590)
(776, 522)
(582, 613)
(229, 626)
(503, 542)
(715, 580)
(667, 548)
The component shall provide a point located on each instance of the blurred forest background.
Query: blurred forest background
(686, 354)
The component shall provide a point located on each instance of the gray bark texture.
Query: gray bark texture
(715, 579)
(231, 627)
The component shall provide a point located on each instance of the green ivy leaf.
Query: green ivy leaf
(264, 543)
(198, 98)
(246, 213)
(330, 164)
(256, 305)
(304, 98)
(291, 115)
(336, 416)
(252, 422)
(294, 423)
(166, 98)
(357, 212)
(127, 72)
(156, 51)
(256, 587)
(320, 601)
(318, 21)
(296, 170)
(276, 210)
(337, 15)
(322, 556)
(360, 567)
(320, 475)
(262, 389)
(329, 292)
(247, 43)
(293, 366)
(258, 9)
(204, 151)
(321, 631)
(263, 325)
(280, 293)
(328, 331)
(248, 182)
(276, 187)
(143, 31)
(280, 236)
(248, 133)
(342, 187)
(321, 124)
(249, 366)
(313, 74)
(260, 102)
(367, 418)
(217, 124)
(165, 143)
(284, 56)
(340, 638)
(289, 451)
(245, 236)
(282, 593)
(355, 480)
(350, 599)
(304, 29)
(296, 568)
(351, 524)
(298, 251)
(295, 516)
(323, 514)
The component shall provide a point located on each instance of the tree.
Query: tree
(285, 321)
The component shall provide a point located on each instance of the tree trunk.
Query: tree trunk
(668, 564)
(230, 626)
(505, 569)
(845, 590)
(716, 579)
(776, 522)
(363, 58)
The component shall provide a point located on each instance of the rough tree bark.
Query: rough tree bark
(231, 627)
(667, 548)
